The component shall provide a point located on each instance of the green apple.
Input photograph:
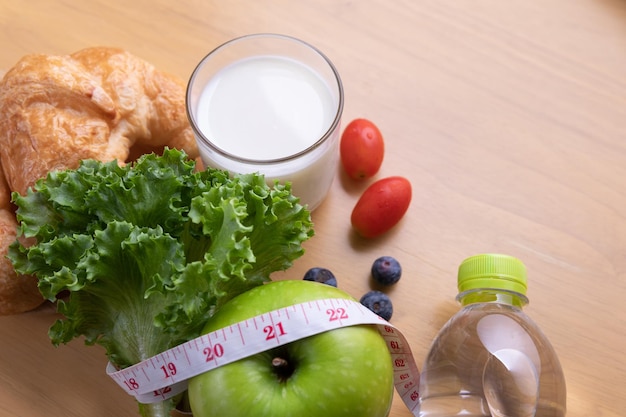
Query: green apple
(346, 372)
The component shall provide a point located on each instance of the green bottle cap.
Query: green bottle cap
(493, 271)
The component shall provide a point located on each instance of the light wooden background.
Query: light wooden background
(508, 117)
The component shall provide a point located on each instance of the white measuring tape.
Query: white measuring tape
(166, 374)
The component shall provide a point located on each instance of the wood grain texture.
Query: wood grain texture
(509, 119)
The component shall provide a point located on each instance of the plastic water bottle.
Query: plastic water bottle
(491, 359)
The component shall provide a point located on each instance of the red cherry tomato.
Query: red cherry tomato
(362, 149)
(381, 206)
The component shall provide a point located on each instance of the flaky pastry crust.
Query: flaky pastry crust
(98, 103)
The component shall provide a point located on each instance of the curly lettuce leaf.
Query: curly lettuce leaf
(148, 251)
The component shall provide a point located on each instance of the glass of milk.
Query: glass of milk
(272, 104)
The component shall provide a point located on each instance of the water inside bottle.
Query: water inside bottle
(510, 384)
(511, 373)
(490, 360)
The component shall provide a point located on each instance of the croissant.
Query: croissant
(18, 293)
(98, 103)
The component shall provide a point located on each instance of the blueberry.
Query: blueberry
(379, 303)
(386, 270)
(322, 275)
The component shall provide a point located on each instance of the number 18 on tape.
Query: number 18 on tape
(166, 374)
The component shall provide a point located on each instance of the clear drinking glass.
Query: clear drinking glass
(272, 104)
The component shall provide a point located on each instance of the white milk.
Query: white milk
(267, 108)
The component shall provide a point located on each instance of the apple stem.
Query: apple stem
(282, 368)
(280, 363)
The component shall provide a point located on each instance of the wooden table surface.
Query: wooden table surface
(508, 117)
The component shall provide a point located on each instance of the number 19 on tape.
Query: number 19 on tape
(166, 374)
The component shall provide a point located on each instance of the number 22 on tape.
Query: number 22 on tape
(165, 375)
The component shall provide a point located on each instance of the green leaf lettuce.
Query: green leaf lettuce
(145, 253)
